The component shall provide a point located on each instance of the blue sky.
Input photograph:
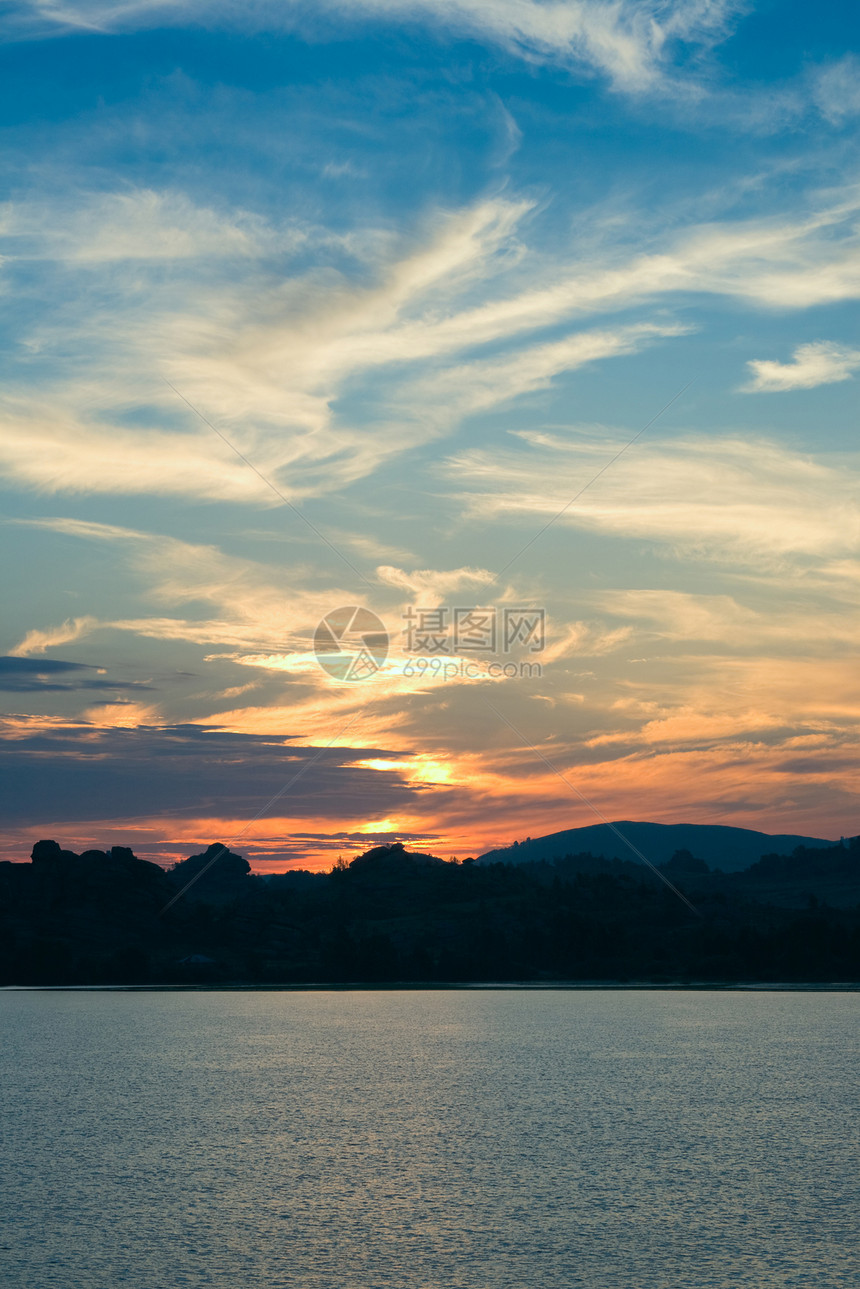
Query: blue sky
(334, 304)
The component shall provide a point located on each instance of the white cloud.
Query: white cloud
(481, 384)
(775, 262)
(429, 587)
(38, 640)
(320, 378)
(626, 40)
(740, 629)
(819, 363)
(252, 608)
(123, 715)
(261, 360)
(51, 449)
(138, 224)
(743, 501)
(837, 89)
(252, 604)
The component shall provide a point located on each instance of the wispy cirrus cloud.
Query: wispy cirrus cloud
(660, 50)
(251, 609)
(314, 375)
(248, 603)
(837, 89)
(138, 224)
(40, 640)
(662, 619)
(266, 356)
(431, 586)
(485, 383)
(737, 500)
(820, 363)
(628, 41)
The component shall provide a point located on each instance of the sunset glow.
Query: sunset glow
(534, 342)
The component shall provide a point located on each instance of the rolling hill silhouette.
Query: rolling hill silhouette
(730, 849)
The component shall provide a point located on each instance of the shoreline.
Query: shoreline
(600, 986)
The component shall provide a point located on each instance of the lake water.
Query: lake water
(429, 1140)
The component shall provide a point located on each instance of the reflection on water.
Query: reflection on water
(424, 1139)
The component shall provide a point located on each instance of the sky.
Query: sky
(527, 326)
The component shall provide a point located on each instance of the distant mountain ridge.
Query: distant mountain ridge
(730, 849)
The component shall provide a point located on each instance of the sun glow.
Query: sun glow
(418, 770)
(391, 824)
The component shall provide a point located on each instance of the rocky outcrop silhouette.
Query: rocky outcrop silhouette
(50, 852)
(216, 872)
(393, 859)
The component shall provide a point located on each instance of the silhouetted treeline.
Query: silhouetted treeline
(106, 917)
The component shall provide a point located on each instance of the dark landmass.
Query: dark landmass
(729, 849)
(106, 917)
